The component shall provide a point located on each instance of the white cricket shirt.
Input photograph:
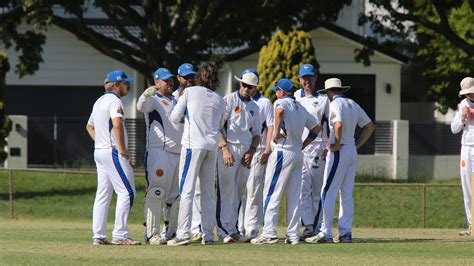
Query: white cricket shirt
(242, 120)
(350, 114)
(265, 107)
(295, 119)
(203, 110)
(106, 108)
(467, 127)
(160, 131)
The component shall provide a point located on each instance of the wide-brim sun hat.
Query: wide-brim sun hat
(334, 83)
(248, 78)
(467, 86)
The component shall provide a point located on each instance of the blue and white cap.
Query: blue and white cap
(284, 84)
(249, 70)
(307, 69)
(118, 76)
(186, 69)
(162, 73)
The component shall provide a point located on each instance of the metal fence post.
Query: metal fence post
(10, 193)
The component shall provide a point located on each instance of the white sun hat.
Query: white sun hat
(334, 83)
(467, 86)
(248, 78)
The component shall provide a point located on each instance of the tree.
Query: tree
(282, 57)
(148, 34)
(443, 36)
(5, 122)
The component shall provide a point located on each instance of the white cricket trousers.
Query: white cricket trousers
(467, 167)
(162, 172)
(114, 173)
(196, 223)
(254, 201)
(196, 163)
(311, 185)
(231, 185)
(283, 173)
(339, 176)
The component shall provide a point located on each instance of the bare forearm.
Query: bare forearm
(366, 133)
(269, 138)
(91, 130)
(337, 132)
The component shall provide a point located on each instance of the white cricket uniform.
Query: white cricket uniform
(283, 171)
(163, 146)
(340, 168)
(114, 172)
(242, 123)
(203, 110)
(196, 223)
(254, 196)
(313, 163)
(466, 165)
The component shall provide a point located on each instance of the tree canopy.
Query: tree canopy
(282, 57)
(442, 33)
(148, 34)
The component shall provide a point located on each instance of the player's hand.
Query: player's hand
(228, 158)
(125, 155)
(325, 153)
(464, 113)
(247, 158)
(278, 136)
(265, 155)
(335, 147)
(150, 91)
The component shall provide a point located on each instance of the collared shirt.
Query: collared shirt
(265, 107)
(350, 114)
(468, 126)
(203, 110)
(160, 131)
(106, 108)
(242, 120)
(318, 106)
(295, 119)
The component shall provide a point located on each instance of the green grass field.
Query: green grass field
(54, 242)
(70, 197)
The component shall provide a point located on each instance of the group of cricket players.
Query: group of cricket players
(223, 164)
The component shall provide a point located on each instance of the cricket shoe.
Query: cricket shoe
(179, 242)
(465, 232)
(319, 239)
(155, 239)
(261, 240)
(307, 233)
(249, 238)
(125, 242)
(346, 238)
(291, 242)
(100, 241)
(197, 237)
(207, 242)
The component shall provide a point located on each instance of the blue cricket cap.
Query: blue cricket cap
(249, 70)
(307, 69)
(284, 84)
(117, 76)
(186, 69)
(162, 73)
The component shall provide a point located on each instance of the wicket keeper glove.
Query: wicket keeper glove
(150, 91)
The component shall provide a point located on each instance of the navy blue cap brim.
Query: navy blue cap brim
(274, 88)
(188, 73)
(128, 79)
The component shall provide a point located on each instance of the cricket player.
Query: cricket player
(313, 155)
(114, 173)
(340, 169)
(237, 146)
(464, 121)
(283, 171)
(203, 112)
(186, 74)
(163, 146)
(254, 196)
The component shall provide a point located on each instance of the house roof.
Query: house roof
(104, 27)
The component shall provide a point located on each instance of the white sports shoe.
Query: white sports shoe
(179, 242)
(125, 242)
(264, 240)
(100, 241)
(319, 239)
(155, 239)
(197, 237)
